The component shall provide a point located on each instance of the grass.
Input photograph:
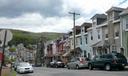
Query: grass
(13, 73)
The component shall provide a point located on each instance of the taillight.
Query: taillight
(114, 62)
(81, 61)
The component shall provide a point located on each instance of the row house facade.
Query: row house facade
(107, 33)
(54, 50)
(96, 34)
(81, 40)
(124, 31)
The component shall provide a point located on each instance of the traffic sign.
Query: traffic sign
(8, 36)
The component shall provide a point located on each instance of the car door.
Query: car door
(74, 63)
(71, 64)
(97, 61)
(101, 60)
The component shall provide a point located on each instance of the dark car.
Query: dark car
(108, 61)
(53, 63)
(57, 63)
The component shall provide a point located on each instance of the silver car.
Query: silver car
(77, 63)
(24, 67)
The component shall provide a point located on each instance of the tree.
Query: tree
(12, 49)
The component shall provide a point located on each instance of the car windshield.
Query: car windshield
(24, 64)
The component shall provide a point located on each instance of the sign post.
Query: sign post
(5, 37)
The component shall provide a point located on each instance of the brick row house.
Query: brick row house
(54, 50)
(105, 34)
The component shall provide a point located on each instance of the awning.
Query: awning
(78, 49)
(98, 44)
(67, 53)
(101, 44)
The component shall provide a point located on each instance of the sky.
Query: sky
(51, 15)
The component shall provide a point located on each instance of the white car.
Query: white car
(24, 67)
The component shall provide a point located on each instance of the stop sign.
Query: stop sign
(8, 36)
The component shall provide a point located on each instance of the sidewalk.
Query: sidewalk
(5, 71)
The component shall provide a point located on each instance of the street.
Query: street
(43, 71)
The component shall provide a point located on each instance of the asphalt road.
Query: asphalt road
(43, 71)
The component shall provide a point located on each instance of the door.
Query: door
(97, 61)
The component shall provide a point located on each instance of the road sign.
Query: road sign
(8, 36)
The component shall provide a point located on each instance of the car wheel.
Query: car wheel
(77, 66)
(56, 66)
(107, 67)
(90, 67)
(68, 67)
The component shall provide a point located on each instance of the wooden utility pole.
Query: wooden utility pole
(74, 29)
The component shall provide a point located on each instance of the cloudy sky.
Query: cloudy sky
(51, 15)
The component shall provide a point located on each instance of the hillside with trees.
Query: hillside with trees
(32, 38)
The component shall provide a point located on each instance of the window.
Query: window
(91, 36)
(86, 40)
(117, 34)
(98, 31)
(80, 40)
(98, 36)
(106, 35)
(127, 26)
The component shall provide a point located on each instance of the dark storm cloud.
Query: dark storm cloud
(14, 8)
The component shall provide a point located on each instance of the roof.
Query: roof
(125, 12)
(86, 24)
(77, 27)
(115, 9)
(99, 16)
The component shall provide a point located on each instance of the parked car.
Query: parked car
(59, 63)
(14, 65)
(77, 63)
(108, 61)
(24, 67)
(56, 63)
(53, 63)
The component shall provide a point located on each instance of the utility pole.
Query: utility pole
(74, 29)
